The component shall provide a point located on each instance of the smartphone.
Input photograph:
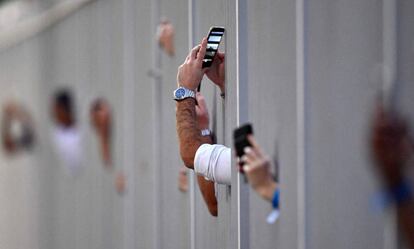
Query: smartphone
(213, 41)
(240, 138)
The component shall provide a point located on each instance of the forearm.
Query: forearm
(207, 190)
(106, 150)
(7, 139)
(189, 136)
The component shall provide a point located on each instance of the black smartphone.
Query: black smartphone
(214, 38)
(240, 138)
(213, 41)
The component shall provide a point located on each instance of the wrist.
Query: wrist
(267, 190)
(187, 100)
(182, 93)
(189, 86)
(203, 126)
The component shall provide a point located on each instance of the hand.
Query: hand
(120, 183)
(190, 73)
(257, 169)
(203, 119)
(390, 145)
(166, 36)
(216, 72)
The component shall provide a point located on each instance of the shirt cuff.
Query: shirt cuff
(214, 163)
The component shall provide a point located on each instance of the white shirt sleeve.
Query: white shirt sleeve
(213, 161)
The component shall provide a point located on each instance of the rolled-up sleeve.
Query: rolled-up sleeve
(213, 161)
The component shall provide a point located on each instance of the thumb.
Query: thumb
(221, 55)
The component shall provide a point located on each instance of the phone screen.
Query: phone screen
(213, 41)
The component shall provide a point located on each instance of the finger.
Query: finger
(252, 140)
(247, 168)
(250, 155)
(245, 159)
(201, 101)
(240, 164)
(255, 145)
(241, 169)
(218, 59)
(220, 55)
(202, 51)
(255, 163)
(194, 51)
(205, 70)
(198, 110)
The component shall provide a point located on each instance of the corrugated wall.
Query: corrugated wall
(303, 72)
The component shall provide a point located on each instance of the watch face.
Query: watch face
(179, 93)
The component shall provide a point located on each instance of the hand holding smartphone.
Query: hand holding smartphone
(240, 141)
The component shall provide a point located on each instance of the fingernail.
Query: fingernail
(247, 150)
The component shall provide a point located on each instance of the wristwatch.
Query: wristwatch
(205, 132)
(182, 93)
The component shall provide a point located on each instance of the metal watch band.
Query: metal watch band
(182, 93)
(205, 132)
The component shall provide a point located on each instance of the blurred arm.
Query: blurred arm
(391, 147)
(405, 216)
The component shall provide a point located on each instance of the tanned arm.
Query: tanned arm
(207, 188)
(189, 75)
(189, 136)
(190, 140)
